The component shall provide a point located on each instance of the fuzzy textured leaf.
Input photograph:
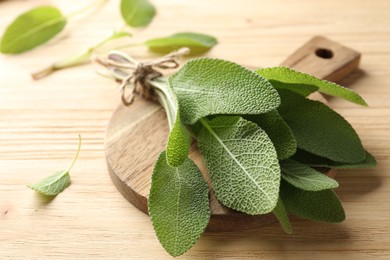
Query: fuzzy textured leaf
(178, 205)
(303, 177)
(196, 42)
(31, 29)
(314, 205)
(278, 131)
(282, 216)
(242, 163)
(317, 161)
(211, 86)
(283, 76)
(52, 185)
(178, 144)
(320, 130)
(137, 13)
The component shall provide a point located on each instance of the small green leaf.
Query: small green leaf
(314, 205)
(304, 177)
(31, 29)
(211, 86)
(178, 205)
(196, 42)
(178, 144)
(320, 130)
(137, 13)
(242, 163)
(52, 185)
(278, 131)
(282, 77)
(282, 216)
(56, 183)
(317, 161)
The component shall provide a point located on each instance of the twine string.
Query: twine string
(135, 76)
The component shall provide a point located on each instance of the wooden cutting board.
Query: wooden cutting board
(137, 134)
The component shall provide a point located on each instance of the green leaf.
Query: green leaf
(278, 131)
(320, 130)
(303, 177)
(52, 185)
(314, 205)
(56, 183)
(137, 13)
(283, 76)
(31, 29)
(282, 216)
(178, 144)
(317, 161)
(178, 205)
(196, 42)
(211, 86)
(242, 163)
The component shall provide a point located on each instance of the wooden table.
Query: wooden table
(40, 120)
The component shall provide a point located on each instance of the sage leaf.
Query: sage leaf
(196, 42)
(211, 86)
(278, 131)
(314, 205)
(303, 177)
(31, 29)
(137, 13)
(283, 77)
(58, 182)
(52, 185)
(178, 144)
(317, 161)
(320, 130)
(282, 216)
(242, 163)
(178, 205)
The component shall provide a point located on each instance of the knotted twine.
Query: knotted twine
(136, 76)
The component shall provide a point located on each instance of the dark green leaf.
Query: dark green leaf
(137, 13)
(178, 205)
(320, 130)
(242, 163)
(314, 205)
(304, 177)
(31, 29)
(283, 76)
(279, 132)
(196, 42)
(211, 86)
(317, 161)
(282, 216)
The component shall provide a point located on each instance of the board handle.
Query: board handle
(324, 59)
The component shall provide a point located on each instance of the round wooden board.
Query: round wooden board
(137, 134)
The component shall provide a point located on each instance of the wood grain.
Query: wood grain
(137, 134)
(39, 123)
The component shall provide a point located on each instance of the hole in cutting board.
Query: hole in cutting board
(324, 53)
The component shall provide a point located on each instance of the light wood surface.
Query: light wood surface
(137, 134)
(39, 123)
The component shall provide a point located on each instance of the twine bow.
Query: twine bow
(137, 75)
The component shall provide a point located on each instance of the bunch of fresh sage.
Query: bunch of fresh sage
(262, 140)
